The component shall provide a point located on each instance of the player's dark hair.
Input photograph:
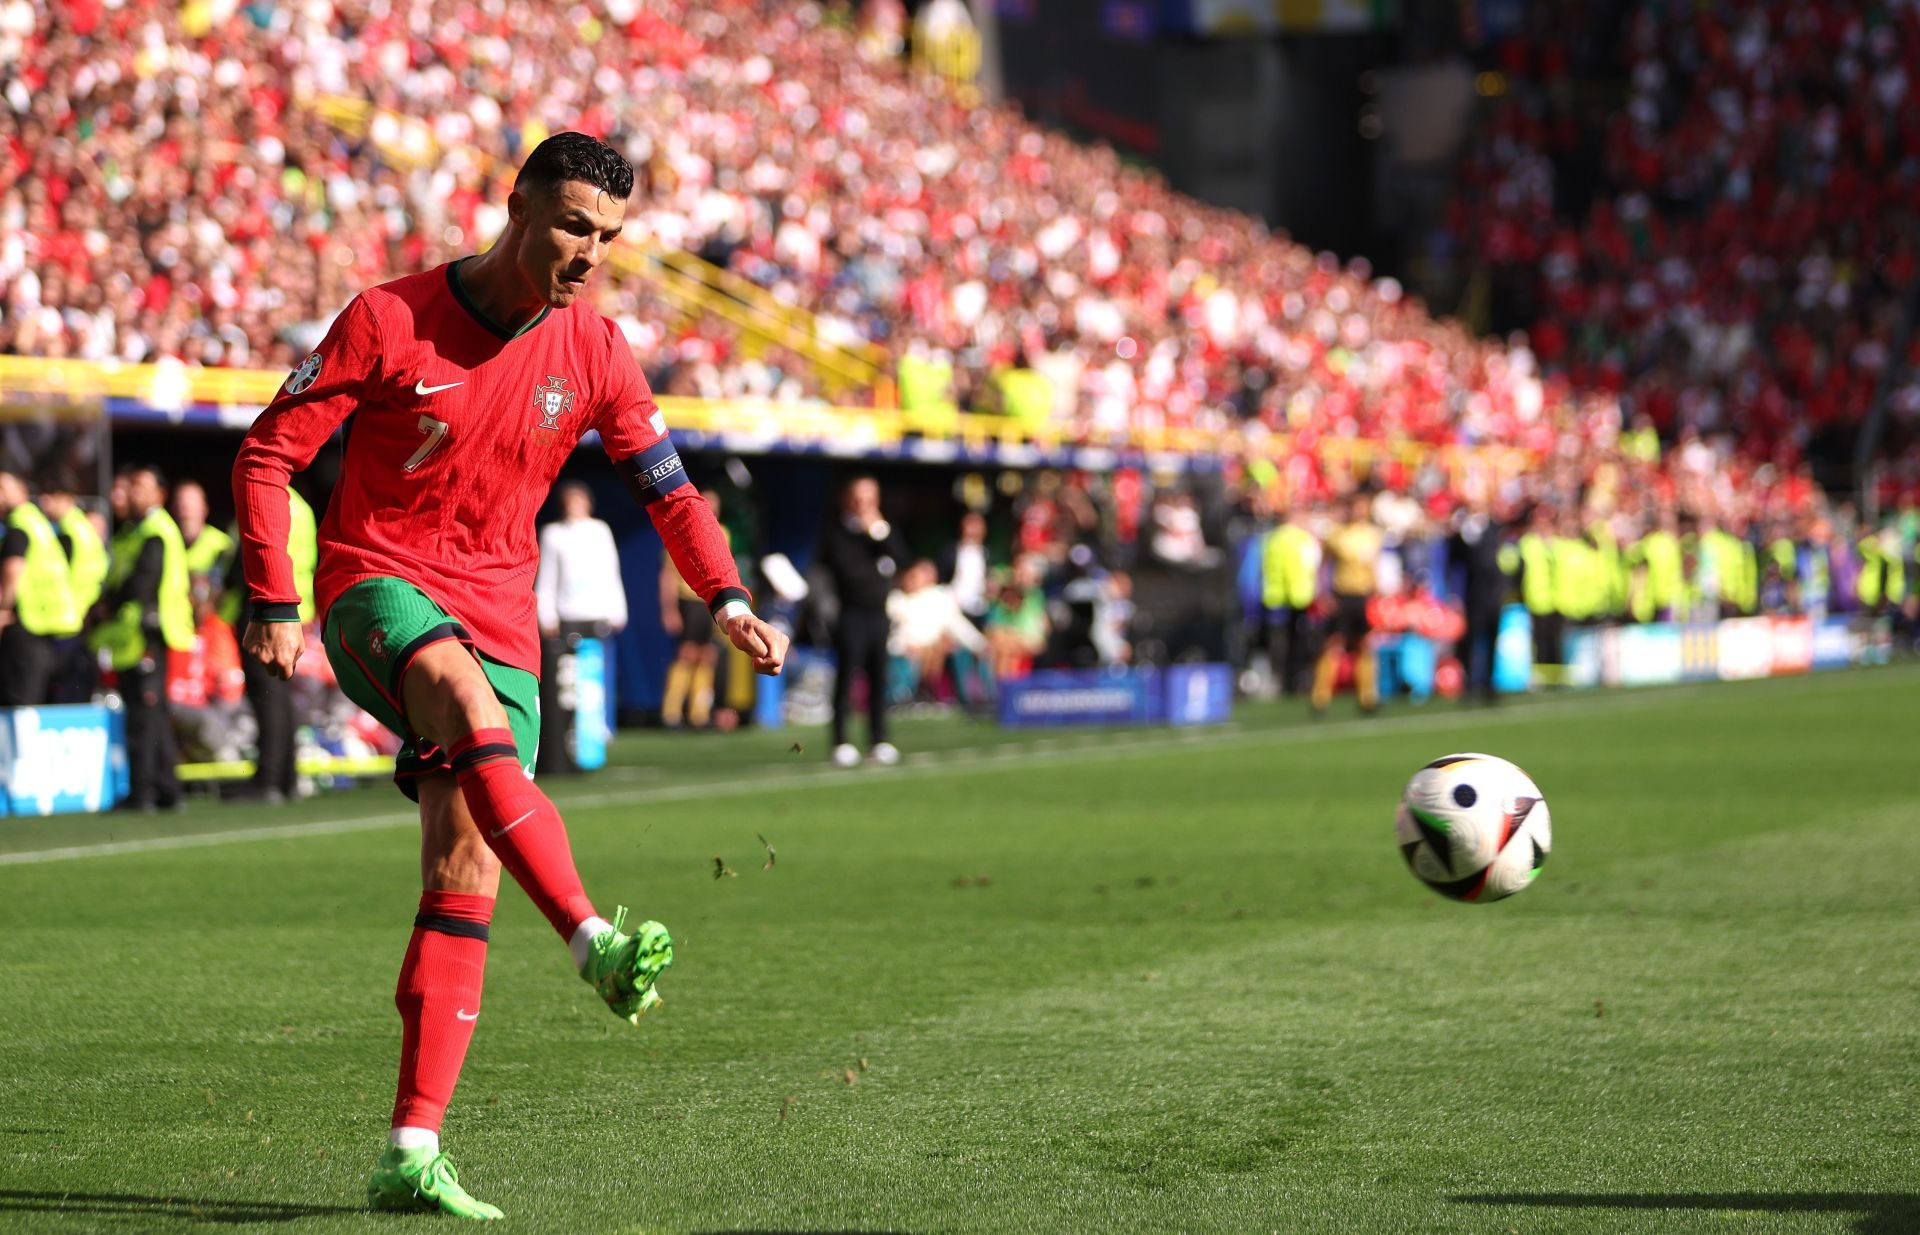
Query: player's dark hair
(575, 156)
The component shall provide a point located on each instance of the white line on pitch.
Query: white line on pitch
(1158, 740)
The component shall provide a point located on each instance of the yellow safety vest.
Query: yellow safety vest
(1536, 574)
(204, 554)
(1026, 395)
(44, 601)
(87, 567)
(1612, 564)
(303, 546)
(1290, 568)
(121, 635)
(1735, 567)
(1881, 575)
(926, 384)
(1574, 577)
(1665, 584)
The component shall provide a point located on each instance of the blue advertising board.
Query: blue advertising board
(1199, 694)
(1082, 697)
(1582, 654)
(1833, 643)
(57, 760)
(1178, 695)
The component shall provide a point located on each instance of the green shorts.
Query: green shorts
(373, 632)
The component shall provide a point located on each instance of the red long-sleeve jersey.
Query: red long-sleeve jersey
(456, 430)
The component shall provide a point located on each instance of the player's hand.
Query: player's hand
(767, 646)
(277, 645)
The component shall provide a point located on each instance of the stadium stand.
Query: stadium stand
(172, 193)
(1730, 246)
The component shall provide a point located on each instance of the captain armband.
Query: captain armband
(654, 472)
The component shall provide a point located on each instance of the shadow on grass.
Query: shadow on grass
(191, 1208)
(1881, 1213)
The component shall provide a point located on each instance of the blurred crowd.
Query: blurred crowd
(166, 192)
(1084, 569)
(1728, 247)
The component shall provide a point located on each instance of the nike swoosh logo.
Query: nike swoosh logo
(516, 823)
(465, 1015)
(421, 387)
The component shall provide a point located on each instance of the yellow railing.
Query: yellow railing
(43, 386)
(164, 386)
(692, 285)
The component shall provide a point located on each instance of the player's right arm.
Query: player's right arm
(318, 396)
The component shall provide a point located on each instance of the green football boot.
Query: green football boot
(623, 967)
(421, 1179)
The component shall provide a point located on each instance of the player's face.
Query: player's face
(569, 233)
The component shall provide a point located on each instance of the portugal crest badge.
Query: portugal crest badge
(553, 400)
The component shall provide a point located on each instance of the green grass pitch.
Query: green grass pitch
(1145, 981)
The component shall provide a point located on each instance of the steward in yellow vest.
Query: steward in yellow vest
(1611, 562)
(149, 613)
(926, 388)
(148, 591)
(36, 598)
(1659, 574)
(303, 546)
(1290, 568)
(1289, 584)
(1024, 395)
(86, 554)
(1883, 572)
(1541, 565)
(1735, 568)
(43, 601)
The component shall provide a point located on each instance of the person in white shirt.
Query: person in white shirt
(964, 566)
(928, 625)
(578, 595)
(578, 590)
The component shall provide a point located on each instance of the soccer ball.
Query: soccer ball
(1473, 827)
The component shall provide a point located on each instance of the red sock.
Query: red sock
(521, 826)
(439, 1001)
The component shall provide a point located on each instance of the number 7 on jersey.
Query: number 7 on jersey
(436, 431)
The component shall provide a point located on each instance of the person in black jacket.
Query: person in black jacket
(140, 574)
(1475, 546)
(864, 556)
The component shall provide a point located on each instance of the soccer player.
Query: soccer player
(466, 389)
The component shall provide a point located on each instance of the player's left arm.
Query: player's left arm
(634, 434)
